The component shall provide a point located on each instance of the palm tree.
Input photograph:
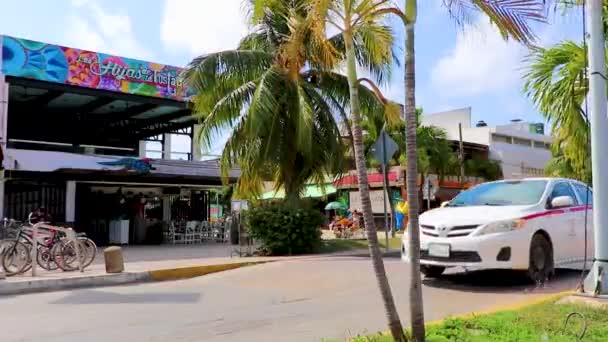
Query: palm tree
(360, 23)
(277, 97)
(556, 82)
(512, 19)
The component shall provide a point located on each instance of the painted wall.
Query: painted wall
(449, 121)
(65, 65)
(512, 156)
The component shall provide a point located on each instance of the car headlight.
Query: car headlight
(501, 227)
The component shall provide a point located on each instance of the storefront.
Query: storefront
(92, 137)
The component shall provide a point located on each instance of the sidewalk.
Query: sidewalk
(142, 263)
(150, 263)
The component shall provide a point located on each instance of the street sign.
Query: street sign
(383, 150)
(384, 143)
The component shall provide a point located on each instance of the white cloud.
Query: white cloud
(481, 62)
(93, 28)
(198, 27)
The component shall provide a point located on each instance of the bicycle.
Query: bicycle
(54, 249)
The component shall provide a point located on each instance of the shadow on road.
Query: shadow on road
(502, 281)
(103, 297)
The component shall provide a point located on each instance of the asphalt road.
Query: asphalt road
(303, 300)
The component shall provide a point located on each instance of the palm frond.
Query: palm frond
(557, 84)
(511, 17)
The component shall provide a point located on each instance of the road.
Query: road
(299, 300)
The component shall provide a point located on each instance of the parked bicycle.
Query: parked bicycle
(54, 249)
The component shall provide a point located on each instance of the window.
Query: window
(154, 149)
(181, 147)
(583, 191)
(501, 139)
(502, 193)
(562, 189)
(523, 142)
(542, 145)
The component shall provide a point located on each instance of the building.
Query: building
(75, 128)
(522, 148)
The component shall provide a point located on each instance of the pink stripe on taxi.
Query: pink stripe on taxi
(556, 212)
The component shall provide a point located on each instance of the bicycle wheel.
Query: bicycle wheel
(15, 258)
(90, 249)
(64, 254)
(45, 259)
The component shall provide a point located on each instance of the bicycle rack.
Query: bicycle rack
(69, 232)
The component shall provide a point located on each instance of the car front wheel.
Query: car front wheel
(432, 271)
(541, 259)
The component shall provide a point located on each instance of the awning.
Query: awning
(374, 179)
(311, 191)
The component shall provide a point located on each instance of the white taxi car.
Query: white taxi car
(535, 224)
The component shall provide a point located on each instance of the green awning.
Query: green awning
(313, 191)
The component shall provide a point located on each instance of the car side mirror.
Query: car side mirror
(562, 202)
(445, 204)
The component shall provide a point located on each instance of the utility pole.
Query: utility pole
(461, 155)
(596, 282)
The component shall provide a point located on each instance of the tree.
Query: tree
(360, 22)
(277, 95)
(556, 82)
(512, 19)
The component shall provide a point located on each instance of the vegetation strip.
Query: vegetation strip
(467, 327)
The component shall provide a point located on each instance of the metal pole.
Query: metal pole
(461, 154)
(596, 283)
(384, 195)
(428, 194)
(34, 251)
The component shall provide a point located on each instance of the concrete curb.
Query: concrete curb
(196, 271)
(48, 285)
(60, 284)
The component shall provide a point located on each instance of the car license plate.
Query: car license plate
(439, 250)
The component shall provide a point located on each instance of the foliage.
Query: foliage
(434, 152)
(557, 84)
(541, 322)
(511, 18)
(277, 96)
(486, 169)
(283, 229)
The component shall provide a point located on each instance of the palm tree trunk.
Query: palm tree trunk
(416, 305)
(392, 315)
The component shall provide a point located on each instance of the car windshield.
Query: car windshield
(501, 193)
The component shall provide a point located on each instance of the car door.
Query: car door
(562, 226)
(585, 195)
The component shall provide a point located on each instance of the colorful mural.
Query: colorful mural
(59, 64)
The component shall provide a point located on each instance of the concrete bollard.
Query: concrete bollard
(113, 259)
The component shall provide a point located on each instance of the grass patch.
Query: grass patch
(541, 322)
(340, 245)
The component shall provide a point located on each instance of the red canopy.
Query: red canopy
(371, 178)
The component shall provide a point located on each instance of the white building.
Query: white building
(521, 151)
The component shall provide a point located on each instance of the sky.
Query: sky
(456, 66)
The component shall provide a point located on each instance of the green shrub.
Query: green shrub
(283, 229)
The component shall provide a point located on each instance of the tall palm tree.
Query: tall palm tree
(512, 18)
(361, 22)
(277, 95)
